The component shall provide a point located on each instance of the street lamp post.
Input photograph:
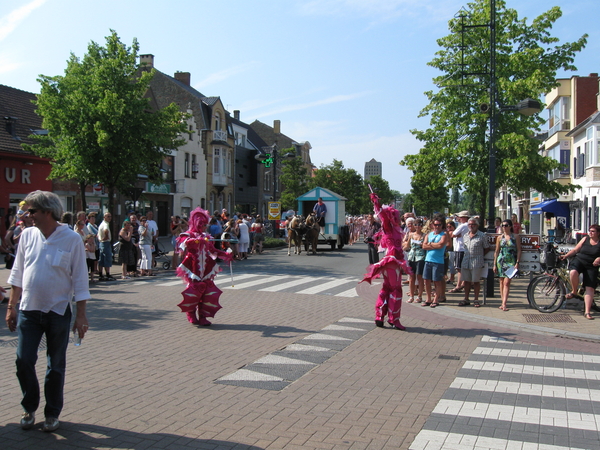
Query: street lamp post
(269, 157)
(526, 107)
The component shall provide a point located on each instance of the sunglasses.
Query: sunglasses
(505, 225)
(437, 224)
(32, 210)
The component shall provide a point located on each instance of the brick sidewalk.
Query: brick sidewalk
(145, 378)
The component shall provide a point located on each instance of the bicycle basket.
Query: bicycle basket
(548, 256)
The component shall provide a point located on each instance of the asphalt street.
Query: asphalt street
(294, 361)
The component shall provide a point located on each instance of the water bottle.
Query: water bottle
(76, 338)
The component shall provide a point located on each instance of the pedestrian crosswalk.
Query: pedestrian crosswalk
(297, 284)
(522, 396)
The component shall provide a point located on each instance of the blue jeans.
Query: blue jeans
(106, 255)
(31, 326)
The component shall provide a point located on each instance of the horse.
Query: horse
(295, 230)
(311, 236)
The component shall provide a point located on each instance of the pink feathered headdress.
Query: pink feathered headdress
(199, 218)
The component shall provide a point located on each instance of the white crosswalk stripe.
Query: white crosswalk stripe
(319, 287)
(515, 395)
(307, 285)
(297, 284)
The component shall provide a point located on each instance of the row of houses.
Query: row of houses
(573, 139)
(219, 167)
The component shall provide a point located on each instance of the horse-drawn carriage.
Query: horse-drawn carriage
(335, 233)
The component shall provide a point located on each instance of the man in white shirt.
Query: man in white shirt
(153, 229)
(49, 271)
(152, 226)
(459, 247)
(106, 255)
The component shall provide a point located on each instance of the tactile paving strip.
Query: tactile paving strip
(282, 367)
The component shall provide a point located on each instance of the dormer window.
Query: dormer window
(217, 121)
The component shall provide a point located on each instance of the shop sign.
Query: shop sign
(274, 210)
(158, 188)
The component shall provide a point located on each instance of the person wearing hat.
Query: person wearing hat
(459, 248)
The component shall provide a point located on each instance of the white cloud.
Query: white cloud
(12, 20)
(381, 10)
(8, 64)
(330, 140)
(222, 75)
(300, 106)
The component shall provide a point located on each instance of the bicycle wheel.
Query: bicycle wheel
(546, 293)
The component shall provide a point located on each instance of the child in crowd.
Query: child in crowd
(90, 254)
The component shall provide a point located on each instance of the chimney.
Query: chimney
(277, 126)
(147, 61)
(236, 114)
(184, 77)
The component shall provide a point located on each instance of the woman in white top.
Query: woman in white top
(244, 237)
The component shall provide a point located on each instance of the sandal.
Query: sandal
(426, 304)
(455, 290)
(464, 303)
(570, 295)
(476, 304)
(442, 300)
(433, 305)
(503, 308)
(418, 300)
(410, 299)
(588, 316)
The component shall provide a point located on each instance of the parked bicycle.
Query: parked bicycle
(547, 292)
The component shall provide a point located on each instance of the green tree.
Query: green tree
(455, 153)
(294, 177)
(345, 182)
(426, 198)
(100, 126)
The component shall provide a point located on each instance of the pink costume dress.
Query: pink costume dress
(198, 269)
(391, 267)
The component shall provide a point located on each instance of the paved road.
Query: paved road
(284, 369)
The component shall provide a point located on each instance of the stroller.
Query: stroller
(160, 257)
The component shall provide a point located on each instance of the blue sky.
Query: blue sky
(346, 75)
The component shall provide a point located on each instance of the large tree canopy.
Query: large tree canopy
(100, 126)
(455, 148)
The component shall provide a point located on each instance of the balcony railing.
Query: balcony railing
(219, 180)
(219, 135)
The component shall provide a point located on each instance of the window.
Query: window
(229, 164)
(240, 139)
(217, 161)
(194, 166)
(559, 116)
(588, 153)
(166, 167)
(217, 121)
(190, 133)
(186, 166)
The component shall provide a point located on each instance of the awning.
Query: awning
(559, 209)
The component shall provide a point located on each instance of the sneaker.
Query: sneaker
(27, 420)
(50, 424)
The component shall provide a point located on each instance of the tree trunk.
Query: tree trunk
(82, 186)
(111, 208)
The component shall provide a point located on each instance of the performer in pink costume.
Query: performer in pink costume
(391, 267)
(198, 269)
